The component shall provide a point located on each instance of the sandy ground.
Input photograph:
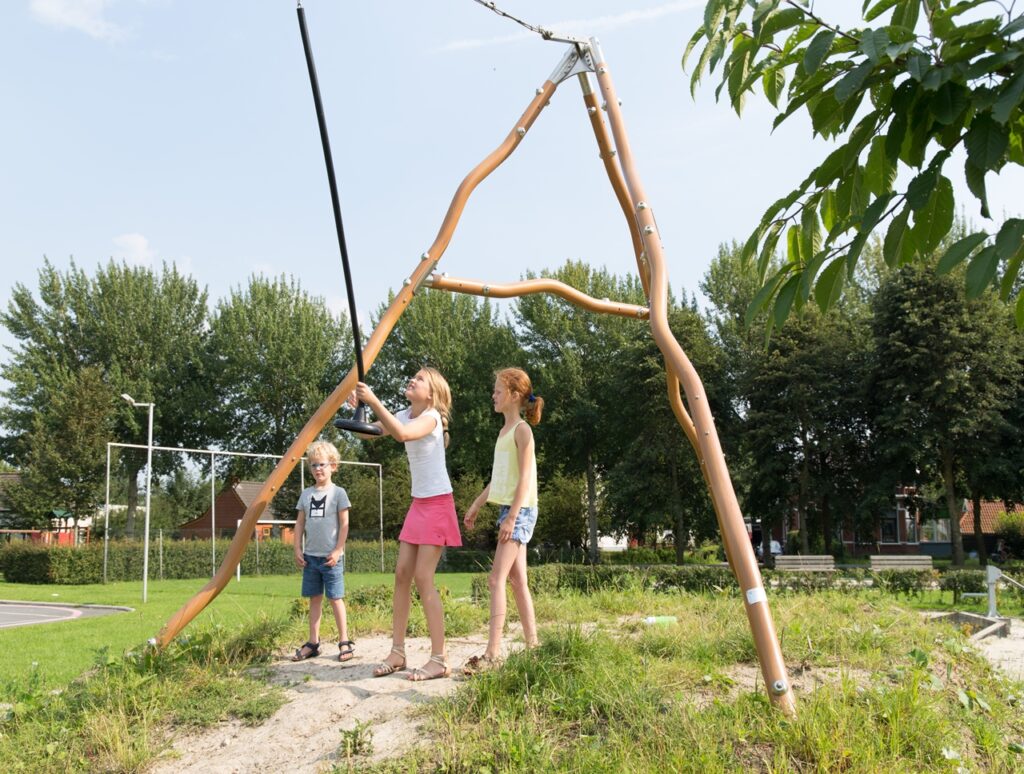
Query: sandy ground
(325, 697)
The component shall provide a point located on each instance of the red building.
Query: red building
(228, 508)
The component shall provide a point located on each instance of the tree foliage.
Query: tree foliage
(897, 95)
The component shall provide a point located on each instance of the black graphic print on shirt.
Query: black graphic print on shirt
(317, 507)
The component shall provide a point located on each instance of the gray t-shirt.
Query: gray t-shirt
(321, 507)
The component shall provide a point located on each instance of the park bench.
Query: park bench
(898, 562)
(812, 563)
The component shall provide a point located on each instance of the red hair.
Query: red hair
(516, 381)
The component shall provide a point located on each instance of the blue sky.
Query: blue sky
(165, 130)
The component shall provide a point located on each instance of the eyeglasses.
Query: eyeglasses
(318, 465)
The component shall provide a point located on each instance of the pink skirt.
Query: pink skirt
(432, 521)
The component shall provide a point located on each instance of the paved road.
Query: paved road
(24, 613)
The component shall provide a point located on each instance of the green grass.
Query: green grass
(61, 651)
(882, 691)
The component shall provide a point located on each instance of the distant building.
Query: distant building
(229, 506)
(990, 510)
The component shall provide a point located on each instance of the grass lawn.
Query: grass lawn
(62, 651)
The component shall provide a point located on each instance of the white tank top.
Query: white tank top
(426, 457)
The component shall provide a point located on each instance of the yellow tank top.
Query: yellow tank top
(505, 471)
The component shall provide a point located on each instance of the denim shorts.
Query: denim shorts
(318, 578)
(522, 531)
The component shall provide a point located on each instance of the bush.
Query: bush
(640, 556)
(31, 563)
(959, 581)
(1010, 528)
(905, 582)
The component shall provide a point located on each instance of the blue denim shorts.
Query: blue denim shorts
(318, 578)
(522, 531)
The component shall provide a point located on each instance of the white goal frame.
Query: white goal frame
(214, 453)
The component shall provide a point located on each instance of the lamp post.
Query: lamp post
(149, 489)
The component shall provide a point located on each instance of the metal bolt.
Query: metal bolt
(521, 131)
(648, 229)
(445, 275)
(487, 289)
(601, 71)
(407, 281)
(606, 299)
(604, 106)
(641, 205)
(425, 257)
(539, 92)
(779, 687)
(612, 152)
(591, 110)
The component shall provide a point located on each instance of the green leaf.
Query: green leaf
(981, 271)
(751, 245)
(1009, 98)
(766, 292)
(1008, 240)
(1010, 275)
(986, 142)
(784, 301)
(830, 284)
(817, 50)
(793, 245)
(773, 81)
(764, 260)
(906, 14)
(781, 21)
(873, 43)
(830, 168)
(879, 172)
(878, 9)
(1014, 26)
(960, 250)
(1019, 312)
(810, 231)
(933, 221)
(920, 189)
(853, 81)
(896, 239)
(949, 102)
(918, 65)
(976, 183)
(694, 40)
(828, 209)
(713, 13)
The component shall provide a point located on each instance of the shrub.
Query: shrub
(905, 582)
(959, 581)
(641, 556)
(1010, 528)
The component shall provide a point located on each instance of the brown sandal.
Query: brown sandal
(383, 669)
(346, 650)
(421, 674)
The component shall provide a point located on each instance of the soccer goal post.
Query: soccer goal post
(213, 455)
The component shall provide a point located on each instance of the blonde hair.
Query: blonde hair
(440, 398)
(517, 381)
(324, 450)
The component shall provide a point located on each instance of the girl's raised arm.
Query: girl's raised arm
(421, 426)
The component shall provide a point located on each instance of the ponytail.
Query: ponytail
(516, 380)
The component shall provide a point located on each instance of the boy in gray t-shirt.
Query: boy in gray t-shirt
(322, 520)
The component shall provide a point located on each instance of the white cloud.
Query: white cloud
(137, 249)
(82, 15)
(581, 27)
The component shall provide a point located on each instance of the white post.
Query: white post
(149, 493)
(213, 517)
(380, 497)
(238, 567)
(106, 518)
(161, 540)
(992, 574)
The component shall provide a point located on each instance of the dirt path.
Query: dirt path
(1007, 653)
(324, 697)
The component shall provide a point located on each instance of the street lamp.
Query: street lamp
(149, 488)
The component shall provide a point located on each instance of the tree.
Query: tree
(921, 79)
(940, 374)
(64, 467)
(276, 352)
(144, 331)
(571, 351)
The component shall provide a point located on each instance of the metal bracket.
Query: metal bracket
(578, 59)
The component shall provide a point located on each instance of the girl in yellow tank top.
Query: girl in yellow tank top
(513, 487)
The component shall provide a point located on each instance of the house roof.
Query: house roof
(990, 510)
(246, 492)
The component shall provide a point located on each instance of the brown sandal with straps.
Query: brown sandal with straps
(385, 668)
(421, 674)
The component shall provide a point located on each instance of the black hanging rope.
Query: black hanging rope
(357, 423)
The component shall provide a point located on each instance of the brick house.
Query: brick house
(229, 506)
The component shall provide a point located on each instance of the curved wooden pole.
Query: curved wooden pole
(734, 532)
(530, 287)
(334, 401)
(618, 183)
